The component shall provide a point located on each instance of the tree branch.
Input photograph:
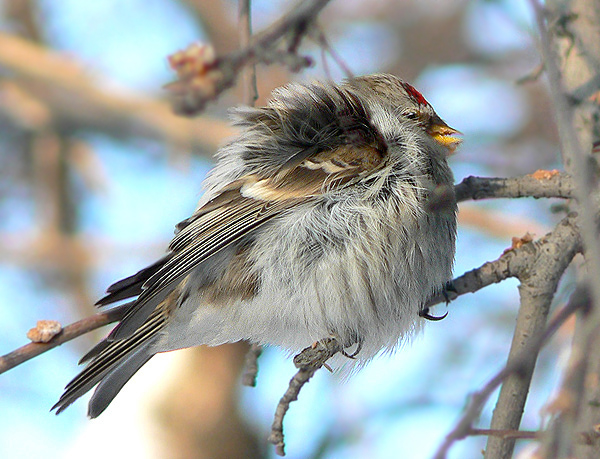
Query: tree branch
(202, 79)
(68, 333)
(539, 280)
(542, 184)
(308, 362)
(570, 46)
(249, 73)
(251, 365)
(69, 99)
(513, 262)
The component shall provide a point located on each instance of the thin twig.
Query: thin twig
(326, 47)
(308, 362)
(532, 76)
(251, 365)
(249, 72)
(81, 327)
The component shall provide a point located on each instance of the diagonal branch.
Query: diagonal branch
(308, 362)
(68, 333)
(539, 281)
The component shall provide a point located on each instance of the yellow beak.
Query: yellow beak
(445, 135)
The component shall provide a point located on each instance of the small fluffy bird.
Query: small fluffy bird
(316, 221)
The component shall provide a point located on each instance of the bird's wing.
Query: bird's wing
(235, 212)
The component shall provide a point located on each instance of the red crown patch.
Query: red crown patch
(416, 95)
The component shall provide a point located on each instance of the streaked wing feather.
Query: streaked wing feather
(117, 377)
(131, 286)
(214, 239)
(207, 223)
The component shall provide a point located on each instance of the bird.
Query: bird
(316, 221)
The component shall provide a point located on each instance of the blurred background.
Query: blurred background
(95, 171)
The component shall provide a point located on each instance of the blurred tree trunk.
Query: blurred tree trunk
(199, 413)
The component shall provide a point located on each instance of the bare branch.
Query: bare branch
(567, 406)
(251, 365)
(68, 333)
(308, 362)
(513, 262)
(249, 72)
(326, 47)
(193, 90)
(575, 159)
(569, 41)
(550, 185)
(539, 281)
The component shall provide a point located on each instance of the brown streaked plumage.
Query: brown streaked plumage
(237, 283)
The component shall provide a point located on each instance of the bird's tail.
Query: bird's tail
(112, 364)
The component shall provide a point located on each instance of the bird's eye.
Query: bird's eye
(411, 115)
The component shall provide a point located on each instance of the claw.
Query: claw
(355, 353)
(425, 314)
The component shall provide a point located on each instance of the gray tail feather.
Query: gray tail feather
(112, 366)
(114, 381)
